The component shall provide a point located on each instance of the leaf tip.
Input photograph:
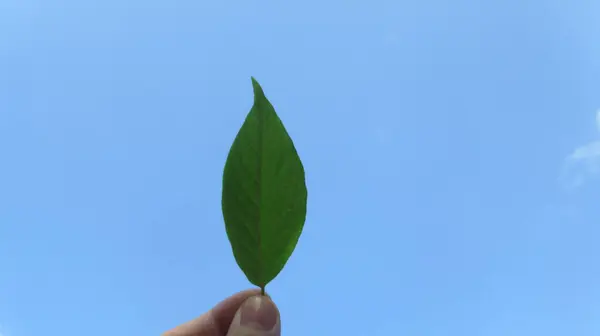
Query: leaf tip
(256, 87)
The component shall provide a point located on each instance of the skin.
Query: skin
(216, 321)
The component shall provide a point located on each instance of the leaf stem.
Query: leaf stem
(262, 290)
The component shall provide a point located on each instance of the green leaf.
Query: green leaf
(264, 193)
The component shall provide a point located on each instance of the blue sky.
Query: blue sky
(451, 148)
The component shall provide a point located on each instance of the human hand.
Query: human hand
(246, 313)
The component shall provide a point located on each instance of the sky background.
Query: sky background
(452, 151)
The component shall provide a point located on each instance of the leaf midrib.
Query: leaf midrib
(259, 113)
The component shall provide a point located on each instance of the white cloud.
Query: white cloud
(583, 163)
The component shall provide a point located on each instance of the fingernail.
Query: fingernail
(258, 315)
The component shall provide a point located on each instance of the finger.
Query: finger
(258, 316)
(217, 320)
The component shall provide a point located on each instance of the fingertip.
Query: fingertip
(258, 316)
(224, 312)
(216, 321)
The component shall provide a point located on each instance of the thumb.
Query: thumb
(257, 316)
